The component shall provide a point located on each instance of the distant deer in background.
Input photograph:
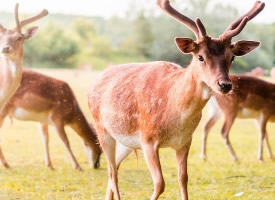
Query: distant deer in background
(257, 71)
(159, 104)
(49, 101)
(250, 98)
(11, 54)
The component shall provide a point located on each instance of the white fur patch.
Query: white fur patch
(132, 141)
(13, 68)
(247, 113)
(23, 114)
(206, 92)
(214, 108)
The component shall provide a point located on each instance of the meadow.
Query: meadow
(218, 179)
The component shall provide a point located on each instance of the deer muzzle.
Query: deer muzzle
(225, 86)
(6, 49)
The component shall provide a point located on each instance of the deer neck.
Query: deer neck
(190, 92)
(10, 77)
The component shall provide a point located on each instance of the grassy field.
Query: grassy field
(219, 178)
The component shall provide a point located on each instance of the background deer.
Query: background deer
(159, 104)
(250, 98)
(49, 101)
(11, 54)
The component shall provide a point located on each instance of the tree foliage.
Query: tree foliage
(142, 35)
(53, 47)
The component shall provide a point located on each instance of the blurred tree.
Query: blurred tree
(144, 34)
(140, 40)
(94, 49)
(52, 47)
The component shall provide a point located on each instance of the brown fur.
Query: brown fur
(39, 93)
(248, 93)
(159, 104)
(11, 55)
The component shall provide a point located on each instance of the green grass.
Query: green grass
(218, 179)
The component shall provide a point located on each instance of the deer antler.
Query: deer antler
(237, 26)
(43, 13)
(16, 17)
(19, 24)
(201, 27)
(197, 28)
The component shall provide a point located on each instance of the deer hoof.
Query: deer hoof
(6, 165)
(51, 167)
(204, 157)
(78, 168)
(261, 159)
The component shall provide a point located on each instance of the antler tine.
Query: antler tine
(43, 13)
(166, 7)
(254, 11)
(201, 27)
(236, 31)
(18, 26)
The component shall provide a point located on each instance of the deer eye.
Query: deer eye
(232, 59)
(19, 38)
(200, 58)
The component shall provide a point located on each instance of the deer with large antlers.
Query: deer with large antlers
(49, 101)
(250, 98)
(159, 104)
(11, 50)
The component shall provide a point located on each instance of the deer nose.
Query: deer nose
(6, 49)
(225, 86)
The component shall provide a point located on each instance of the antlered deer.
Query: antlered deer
(49, 101)
(11, 50)
(159, 104)
(250, 98)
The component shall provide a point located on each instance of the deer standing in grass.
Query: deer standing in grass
(11, 54)
(250, 98)
(49, 101)
(159, 104)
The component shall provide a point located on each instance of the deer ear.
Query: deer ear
(30, 32)
(185, 45)
(244, 47)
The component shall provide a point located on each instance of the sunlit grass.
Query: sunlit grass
(218, 179)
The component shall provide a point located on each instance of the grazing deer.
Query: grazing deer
(11, 51)
(49, 101)
(250, 98)
(159, 104)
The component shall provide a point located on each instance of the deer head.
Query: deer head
(12, 40)
(212, 57)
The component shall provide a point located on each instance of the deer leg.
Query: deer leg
(209, 124)
(262, 121)
(225, 133)
(3, 114)
(108, 144)
(182, 155)
(3, 160)
(268, 146)
(152, 159)
(59, 126)
(121, 153)
(45, 137)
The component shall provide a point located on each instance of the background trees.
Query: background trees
(67, 41)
